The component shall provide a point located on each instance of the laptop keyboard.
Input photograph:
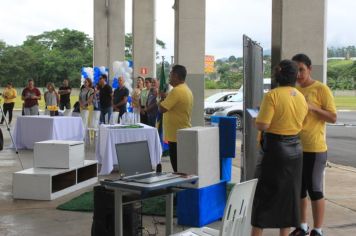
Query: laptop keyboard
(146, 176)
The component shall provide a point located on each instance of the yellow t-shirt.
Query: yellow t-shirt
(313, 133)
(9, 93)
(179, 104)
(284, 109)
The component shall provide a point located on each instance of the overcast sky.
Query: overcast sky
(226, 22)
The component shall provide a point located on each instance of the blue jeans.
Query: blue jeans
(103, 112)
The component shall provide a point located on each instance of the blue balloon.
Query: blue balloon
(115, 83)
(96, 75)
(84, 74)
(130, 63)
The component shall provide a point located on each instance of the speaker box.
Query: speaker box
(104, 216)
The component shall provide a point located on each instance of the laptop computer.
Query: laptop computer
(135, 163)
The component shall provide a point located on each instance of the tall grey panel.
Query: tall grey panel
(253, 93)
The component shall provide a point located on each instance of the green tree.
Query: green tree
(48, 57)
(129, 46)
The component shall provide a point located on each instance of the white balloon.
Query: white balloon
(86, 70)
(127, 75)
(129, 70)
(128, 86)
(102, 69)
(130, 82)
(116, 65)
(82, 81)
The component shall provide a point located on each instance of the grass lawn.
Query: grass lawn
(18, 102)
(342, 102)
(346, 102)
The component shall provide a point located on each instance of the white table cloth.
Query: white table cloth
(108, 137)
(31, 129)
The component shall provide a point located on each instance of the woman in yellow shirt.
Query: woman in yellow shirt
(9, 94)
(282, 112)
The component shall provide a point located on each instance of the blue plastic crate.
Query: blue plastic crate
(225, 169)
(227, 137)
(199, 207)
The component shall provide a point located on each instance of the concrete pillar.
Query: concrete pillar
(189, 50)
(144, 37)
(300, 27)
(109, 32)
(100, 34)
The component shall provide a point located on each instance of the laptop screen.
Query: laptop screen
(133, 158)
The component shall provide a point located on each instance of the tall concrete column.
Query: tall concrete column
(300, 27)
(189, 50)
(109, 32)
(144, 37)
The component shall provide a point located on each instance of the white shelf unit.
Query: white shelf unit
(49, 184)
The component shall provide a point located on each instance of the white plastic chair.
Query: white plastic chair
(237, 213)
(115, 117)
(94, 125)
(84, 114)
(67, 112)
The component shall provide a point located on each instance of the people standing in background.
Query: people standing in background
(143, 99)
(136, 95)
(177, 109)
(281, 116)
(120, 97)
(105, 99)
(64, 91)
(96, 97)
(51, 98)
(30, 95)
(9, 94)
(86, 95)
(322, 109)
(151, 104)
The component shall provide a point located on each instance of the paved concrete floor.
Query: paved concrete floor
(26, 217)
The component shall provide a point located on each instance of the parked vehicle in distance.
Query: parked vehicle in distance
(233, 106)
(223, 109)
(218, 97)
(266, 85)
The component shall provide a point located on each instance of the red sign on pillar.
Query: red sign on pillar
(143, 71)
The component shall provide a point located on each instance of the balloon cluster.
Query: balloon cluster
(122, 69)
(93, 74)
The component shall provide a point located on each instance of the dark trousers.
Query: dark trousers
(8, 107)
(173, 154)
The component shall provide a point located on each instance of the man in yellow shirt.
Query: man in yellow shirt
(321, 109)
(176, 109)
(9, 94)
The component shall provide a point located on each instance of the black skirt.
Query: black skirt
(277, 199)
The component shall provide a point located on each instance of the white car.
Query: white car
(218, 97)
(232, 107)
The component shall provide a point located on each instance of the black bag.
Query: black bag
(1, 140)
(76, 107)
(104, 216)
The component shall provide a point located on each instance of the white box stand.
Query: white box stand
(198, 154)
(58, 154)
(49, 184)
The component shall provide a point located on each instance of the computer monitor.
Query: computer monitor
(133, 158)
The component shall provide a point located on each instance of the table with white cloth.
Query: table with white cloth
(31, 129)
(109, 135)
